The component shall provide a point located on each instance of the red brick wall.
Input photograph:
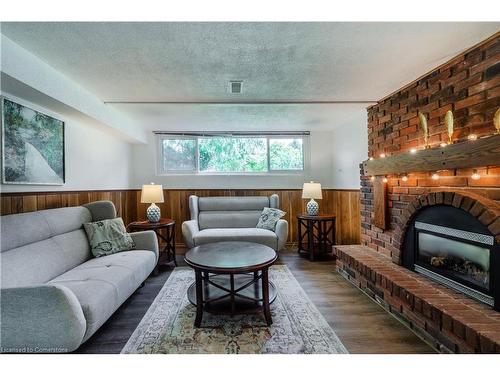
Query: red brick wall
(468, 85)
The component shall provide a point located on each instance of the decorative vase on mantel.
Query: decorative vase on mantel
(425, 129)
(448, 120)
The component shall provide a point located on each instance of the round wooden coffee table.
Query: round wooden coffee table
(231, 278)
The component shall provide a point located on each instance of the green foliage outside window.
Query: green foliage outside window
(286, 154)
(179, 154)
(233, 154)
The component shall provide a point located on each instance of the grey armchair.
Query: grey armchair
(215, 219)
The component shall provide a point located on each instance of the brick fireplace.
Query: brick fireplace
(469, 86)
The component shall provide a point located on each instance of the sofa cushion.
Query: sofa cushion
(101, 210)
(26, 228)
(102, 284)
(232, 203)
(228, 219)
(262, 236)
(39, 262)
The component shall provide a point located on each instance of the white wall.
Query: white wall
(95, 159)
(350, 148)
(332, 162)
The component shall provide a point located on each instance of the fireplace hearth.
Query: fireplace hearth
(453, 248)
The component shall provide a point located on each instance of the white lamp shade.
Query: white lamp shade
(152, 194)
(312, 190)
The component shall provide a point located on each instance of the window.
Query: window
(286, 154)
(179, 155)
(232, 154)
(213, 153)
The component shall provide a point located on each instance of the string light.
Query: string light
(472, 137)
(475, 175)
(435, 176)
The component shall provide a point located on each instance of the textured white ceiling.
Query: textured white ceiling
(191, 117)
(194, 61)
(276, 61)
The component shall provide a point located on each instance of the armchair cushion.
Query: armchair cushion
(257, 235)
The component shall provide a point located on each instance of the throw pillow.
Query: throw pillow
(269, 217)
(107, 237)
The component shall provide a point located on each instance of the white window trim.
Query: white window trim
(159, 156)
(305, 156)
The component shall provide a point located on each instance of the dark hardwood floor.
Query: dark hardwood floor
(362, 325)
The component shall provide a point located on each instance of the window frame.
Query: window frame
(160, 171)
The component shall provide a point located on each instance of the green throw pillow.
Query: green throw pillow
(107, 237)
(269, 217)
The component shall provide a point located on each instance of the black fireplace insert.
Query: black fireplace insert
(452, 247)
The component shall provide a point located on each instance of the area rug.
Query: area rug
(298, 327)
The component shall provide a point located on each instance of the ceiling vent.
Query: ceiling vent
(235, 87)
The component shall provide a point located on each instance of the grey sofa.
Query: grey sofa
(215, 219)
(54, 294)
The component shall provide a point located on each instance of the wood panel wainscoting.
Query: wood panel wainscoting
(343, 203)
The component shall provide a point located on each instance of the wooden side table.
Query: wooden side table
(320, 232)
(167, 253)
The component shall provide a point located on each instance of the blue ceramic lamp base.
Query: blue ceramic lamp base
(153, 213)
(312, 208)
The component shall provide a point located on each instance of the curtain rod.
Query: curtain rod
(229, 133)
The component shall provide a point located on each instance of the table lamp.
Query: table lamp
(152, 194)
(312, 190)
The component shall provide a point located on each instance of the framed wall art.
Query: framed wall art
(32, 146)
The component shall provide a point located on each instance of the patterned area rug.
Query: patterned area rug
(298, 327)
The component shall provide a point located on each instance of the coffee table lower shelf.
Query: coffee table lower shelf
(232, 294)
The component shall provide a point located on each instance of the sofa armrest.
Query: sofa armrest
(146, 240)
(41, 318)
(189, 230)
(281, 231)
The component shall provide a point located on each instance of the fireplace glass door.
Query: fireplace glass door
(469, 263)
(456, 258)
